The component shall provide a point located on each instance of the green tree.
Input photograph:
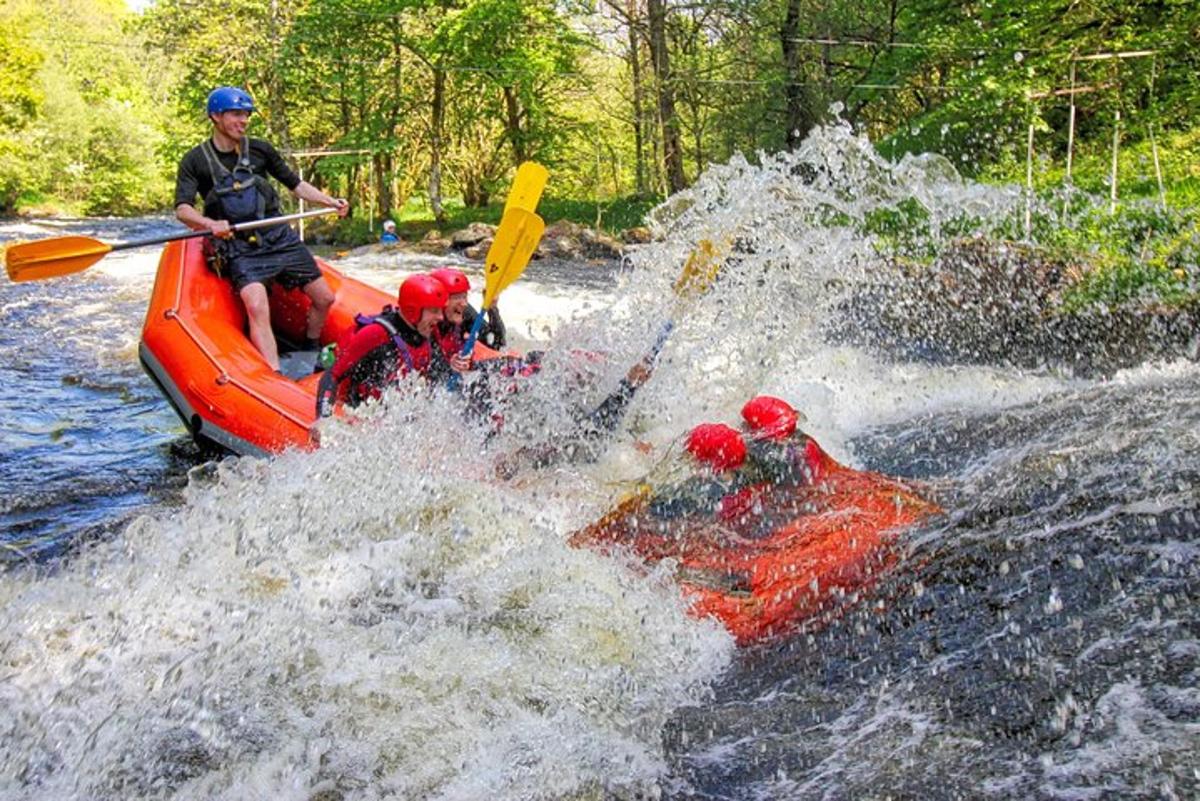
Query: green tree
(80, 121)
(21, 100)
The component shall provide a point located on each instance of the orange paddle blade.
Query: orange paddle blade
(48, 258)
(527, 187)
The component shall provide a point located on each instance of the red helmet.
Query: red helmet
(454, 280)
(716, 445)
(768, 417)
(420, 292)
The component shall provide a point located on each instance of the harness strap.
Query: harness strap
(220, 174)
(215, 167)
(401, 345)
(244, 152)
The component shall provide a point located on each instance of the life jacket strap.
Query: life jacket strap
(393, 332)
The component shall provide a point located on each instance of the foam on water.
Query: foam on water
(370, 617)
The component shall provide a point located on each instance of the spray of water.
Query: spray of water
(385, 619)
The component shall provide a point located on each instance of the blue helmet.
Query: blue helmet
(228, 98)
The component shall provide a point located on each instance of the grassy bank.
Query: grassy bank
(1145, 249)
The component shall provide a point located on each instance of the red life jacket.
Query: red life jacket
(379, 353)
(451, 338)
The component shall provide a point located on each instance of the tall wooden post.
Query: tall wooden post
(1071, 123)
(301, 204)
(1029, 185)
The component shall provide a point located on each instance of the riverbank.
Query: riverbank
(562, 240)
(575, 229)
(619, 219)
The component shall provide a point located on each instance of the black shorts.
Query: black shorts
(273, 254)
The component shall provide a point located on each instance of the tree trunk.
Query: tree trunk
(635, 68)
(799, 117)
(437, 121)
(672, 154)
(386, 159)
(512, 125)
(383, 173)
(277, 122)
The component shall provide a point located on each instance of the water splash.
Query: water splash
(367, 616)
(384, 618)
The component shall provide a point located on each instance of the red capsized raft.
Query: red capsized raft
(196, 348)
(825, 542)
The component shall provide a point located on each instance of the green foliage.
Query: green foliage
(986, 71)
(78, 123)
(616, 215)
(1142, 252)
(97, 105)
(21, 100)
(20, 97)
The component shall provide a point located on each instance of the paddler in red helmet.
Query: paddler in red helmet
(385, 348)
(780, 453)
(719, 452)
(460, 315)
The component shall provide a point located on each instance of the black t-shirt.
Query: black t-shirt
(195, 178)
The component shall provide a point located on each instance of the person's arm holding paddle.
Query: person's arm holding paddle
(187, 187)
(307, 192)
(699, 272)
(190, 216)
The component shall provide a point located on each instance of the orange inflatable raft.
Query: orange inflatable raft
(823, 543)
(195, 347)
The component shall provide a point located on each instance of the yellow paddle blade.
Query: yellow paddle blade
(700, 270)
(48, 258)
(516, 239)
(527, 187)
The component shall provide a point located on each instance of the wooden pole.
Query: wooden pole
(1112, 186)
(1162, 192)
(1112, 191)
(1071, 124)
(1029, 185)
(301, 204)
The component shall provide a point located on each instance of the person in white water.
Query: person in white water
(779, 452)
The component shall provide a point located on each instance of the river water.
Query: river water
(385, 618)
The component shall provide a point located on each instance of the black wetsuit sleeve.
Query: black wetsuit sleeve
(694, 496)
(583, 443)
(439, 366)
(776, 463)
(192, 178)
(608, 415)
(274, 164)
(492, 333)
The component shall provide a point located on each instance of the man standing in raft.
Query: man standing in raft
(388, 346)
(229, 171)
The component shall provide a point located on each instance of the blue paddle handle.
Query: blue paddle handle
(476, 327)
(468, 346)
